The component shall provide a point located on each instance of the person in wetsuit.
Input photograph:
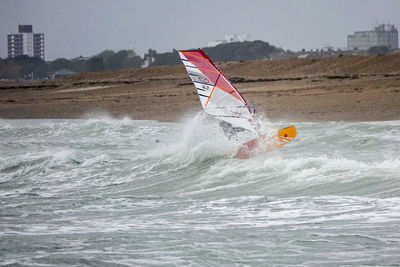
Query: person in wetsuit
(229, 130)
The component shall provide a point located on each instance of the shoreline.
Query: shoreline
(295, 90)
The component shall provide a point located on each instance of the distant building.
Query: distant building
(25, 42)
(229, 39)
(381, 35)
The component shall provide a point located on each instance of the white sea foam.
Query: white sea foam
(105, 190)
(95, 160)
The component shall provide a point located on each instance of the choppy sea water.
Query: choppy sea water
(142, 193)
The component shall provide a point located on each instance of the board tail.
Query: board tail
(265, 144)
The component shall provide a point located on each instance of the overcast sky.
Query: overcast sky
(87, 27)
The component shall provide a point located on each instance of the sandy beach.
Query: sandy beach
(348, 88)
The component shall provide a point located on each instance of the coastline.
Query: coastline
(336, 89)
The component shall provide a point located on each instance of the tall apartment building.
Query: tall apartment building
(25, 42)
(381, 35)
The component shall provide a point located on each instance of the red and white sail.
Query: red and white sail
(218, 97)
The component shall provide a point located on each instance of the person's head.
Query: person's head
(252, 109)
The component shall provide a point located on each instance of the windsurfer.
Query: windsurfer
(218, 97)
(252, 109)
(231, 131)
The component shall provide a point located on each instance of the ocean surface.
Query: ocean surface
(122, 192)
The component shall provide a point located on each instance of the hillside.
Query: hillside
(260, 69)
(234, 51)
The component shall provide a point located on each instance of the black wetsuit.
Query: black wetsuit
(229, 130)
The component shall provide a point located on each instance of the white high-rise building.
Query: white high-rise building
(25, 42)
(381, 35)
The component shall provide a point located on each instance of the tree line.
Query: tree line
(235, 51)
(24, 67)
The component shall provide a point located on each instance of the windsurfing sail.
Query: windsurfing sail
(218, 97)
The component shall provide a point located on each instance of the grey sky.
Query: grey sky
(86, 27)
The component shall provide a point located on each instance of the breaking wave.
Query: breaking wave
(136, 186)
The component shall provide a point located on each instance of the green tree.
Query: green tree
(133, 61)
(29, 66)
(10, 70)
(237, 51)
(116, 61)
(59, 63)
(378, 50)
(95, 64)
(22, 67)
(163, 59)
(79, 64)
(123, 59)
(105, 54)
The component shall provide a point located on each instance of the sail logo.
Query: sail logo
(204, 79)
